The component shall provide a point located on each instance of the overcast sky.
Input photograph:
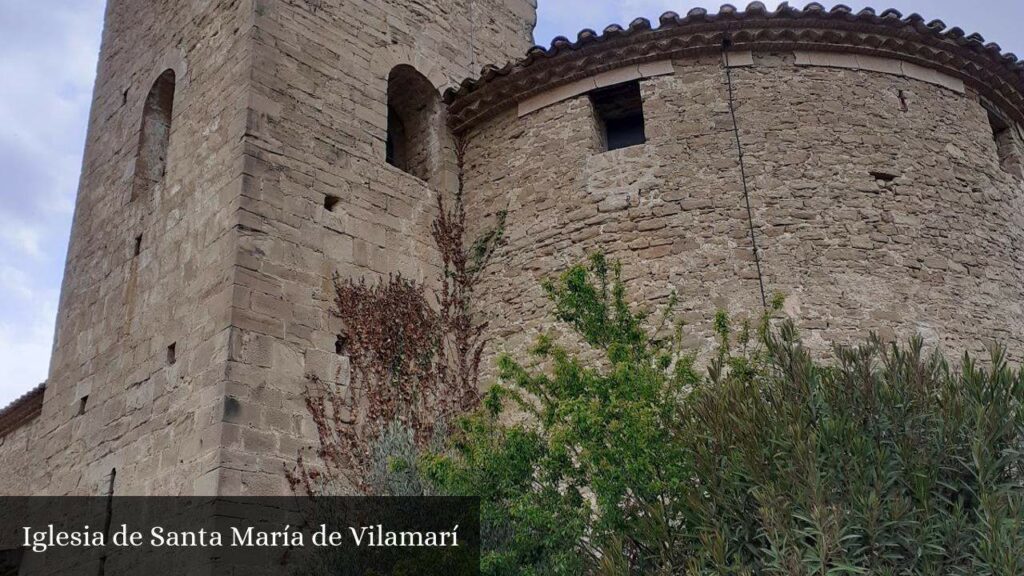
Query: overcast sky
(48, 51)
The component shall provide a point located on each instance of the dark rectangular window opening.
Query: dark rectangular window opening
(999, 126)
(1008, 155)
(396, 133)
(620, 115)
(172, 353)
(330, 202)
(341, 345)
(81, 404)
(138, 244)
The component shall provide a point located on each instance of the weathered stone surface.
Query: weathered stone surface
(869, 217)
(276, 105)
(882, 199)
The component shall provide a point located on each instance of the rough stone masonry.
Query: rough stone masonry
(241, 152)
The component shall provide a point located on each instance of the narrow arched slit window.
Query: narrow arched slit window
(154, 136)
(413, 121)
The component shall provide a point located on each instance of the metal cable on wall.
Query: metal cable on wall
(726, 44)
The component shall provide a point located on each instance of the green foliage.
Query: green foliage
(884, 461)
(393, 469)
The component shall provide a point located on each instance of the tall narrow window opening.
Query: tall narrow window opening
(413, 122)
(395, 146)
(1000, 127)
(154, 136)
(1010, 154)
(620, 115)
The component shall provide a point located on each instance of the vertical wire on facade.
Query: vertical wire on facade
(743, 171)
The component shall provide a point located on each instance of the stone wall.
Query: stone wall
(144, 274)
(318, 128)
(191, 315)
(868, 217)
(18, 457)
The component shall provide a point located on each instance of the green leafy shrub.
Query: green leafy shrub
(885, 460)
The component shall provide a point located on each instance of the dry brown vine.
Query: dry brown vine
(409, 363)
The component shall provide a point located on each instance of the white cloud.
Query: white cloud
(15, 282)
(26, 339)
(25, 353)
(22, 237)
(48, 56)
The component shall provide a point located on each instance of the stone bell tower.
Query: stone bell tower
(238, 155)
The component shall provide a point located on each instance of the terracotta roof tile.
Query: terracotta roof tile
(21, 410)
(997, 75)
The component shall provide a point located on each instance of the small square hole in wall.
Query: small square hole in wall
(620, 115)
(331, 202)
(172, 353)
(82, 402)
(341, 345)
(138, 245)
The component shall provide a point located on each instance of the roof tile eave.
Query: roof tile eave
(22, 409)
(497, 88)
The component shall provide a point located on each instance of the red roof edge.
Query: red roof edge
(22, 410)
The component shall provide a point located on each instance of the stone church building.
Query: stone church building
(869, 165)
